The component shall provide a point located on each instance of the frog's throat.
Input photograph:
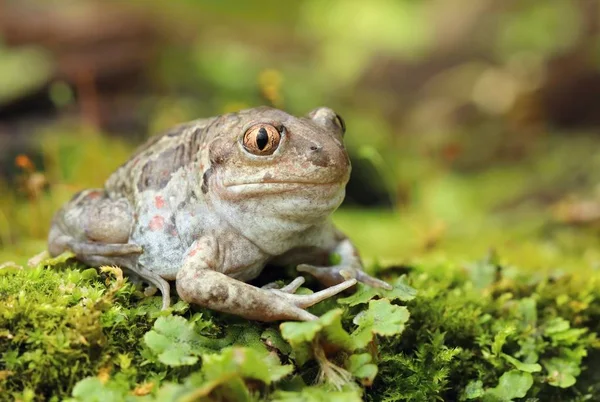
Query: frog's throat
(278, 218)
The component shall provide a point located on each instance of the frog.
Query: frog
(212, 202)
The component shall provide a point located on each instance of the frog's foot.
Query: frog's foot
(103, 249)
(219, 292)
(305, 301)
(340, 273)
(155, 282)
(291, 287)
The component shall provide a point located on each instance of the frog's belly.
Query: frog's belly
(163, 248)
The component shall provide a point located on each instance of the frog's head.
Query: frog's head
(267, 163)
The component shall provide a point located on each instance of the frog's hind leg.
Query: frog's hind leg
(103, 249)
(93, 224)
(96, 229)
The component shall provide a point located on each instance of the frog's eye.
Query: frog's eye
(261, 139)
(340, 123)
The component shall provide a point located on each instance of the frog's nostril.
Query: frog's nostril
(318, 156)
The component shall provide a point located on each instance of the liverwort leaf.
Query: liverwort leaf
(562, 372)
(59, 259)
(243, 362)
(362, 367)
(91, 389)
(225, 375)
(382, 318)
(174, 341)
(513, 384)
(527, 367)
(364, 293)
(473, 390)
(317, 394)
(327, 329)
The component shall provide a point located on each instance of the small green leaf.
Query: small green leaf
(556, 325)
(91, 389)
(181, 307)
(224, 376)
(89, 274)
(473, 390)
(317, 394)
(225, 373)
(300, 332)
(328, 328)
(382, 318)
(560, 332)
(527, 308)
(361, 367)
(244, 362)
(170, 352)
(174, 340)
(500, 339)
(527, 367)
(59, 259)
(364, 293)
(562, 372)
(513, 384)
(273, 339)
(483, 272)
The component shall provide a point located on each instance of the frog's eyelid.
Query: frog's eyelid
(278, 126)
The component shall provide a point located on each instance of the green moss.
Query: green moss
(488, 332)
(460, 336)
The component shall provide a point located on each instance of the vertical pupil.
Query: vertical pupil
(262, 138)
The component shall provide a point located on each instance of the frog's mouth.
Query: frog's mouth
(281, 183)
(275, 186)
(295, 200)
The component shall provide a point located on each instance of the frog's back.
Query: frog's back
(153, 163)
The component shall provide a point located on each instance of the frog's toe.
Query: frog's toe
(293, 285)
(301, 315)
(328, 276)
(339, 273)
(371, 281)
(150, 290)
(304, 301)
(166, 299)
(154, 280)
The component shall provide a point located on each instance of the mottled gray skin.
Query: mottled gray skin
(195, 206)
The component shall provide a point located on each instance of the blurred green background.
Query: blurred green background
(472, 124)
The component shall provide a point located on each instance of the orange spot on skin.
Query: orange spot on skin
(159, 201)
(157, 223)
(94, 195)
(195, 251)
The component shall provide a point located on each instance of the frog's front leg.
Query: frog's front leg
(349, 266)
(198, 282)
